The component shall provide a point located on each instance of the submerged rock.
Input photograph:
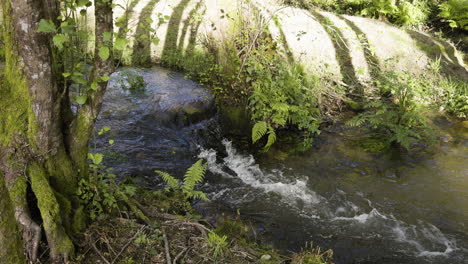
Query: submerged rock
(157, 94)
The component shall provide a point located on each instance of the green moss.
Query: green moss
(375, 145)
(12, 249)
(79, 220)
(235, 119)
(50, 210)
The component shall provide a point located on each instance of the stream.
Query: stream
(369, 208)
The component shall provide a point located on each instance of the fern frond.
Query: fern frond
(198, 195)
(259, 130)
(194, 175)
(356, 121)
(271, 138)
(167, 178)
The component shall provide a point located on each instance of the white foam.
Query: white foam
(250, 173)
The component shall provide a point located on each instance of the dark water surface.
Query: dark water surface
(369, 208)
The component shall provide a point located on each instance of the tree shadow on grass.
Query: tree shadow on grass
(170, 50)
(123, 23)
(142, 44)
(193, 22)
(372, 60)
(343, 54)
(437, 49)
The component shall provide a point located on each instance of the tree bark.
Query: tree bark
(41, 151)
(12, 248)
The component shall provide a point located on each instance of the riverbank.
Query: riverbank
(177, 234)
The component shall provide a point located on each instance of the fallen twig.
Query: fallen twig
(166, 246)
(127, 244)
(100, 254)
(179, 255)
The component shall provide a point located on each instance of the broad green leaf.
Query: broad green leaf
(105, 78)
(156, 41)
(96, 158)
(81, 3)
(59, 39)
(111, 142)
(107, 36)
(104, 53)
(103, 130)
(120, 44)
(81, 99)
(46, 26)
(93, 86)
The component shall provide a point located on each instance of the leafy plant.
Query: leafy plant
(282, 96)
(195, 174)
(396, 114)
(131, 80)
(99, 191)
(412, 13)
(217, 244)
(455, 12)
(456, 97)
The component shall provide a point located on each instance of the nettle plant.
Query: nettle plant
(195, 174)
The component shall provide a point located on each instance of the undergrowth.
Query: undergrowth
(403, 12)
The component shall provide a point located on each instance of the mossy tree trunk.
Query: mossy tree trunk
(43, 151)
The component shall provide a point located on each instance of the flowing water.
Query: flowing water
(369, 208)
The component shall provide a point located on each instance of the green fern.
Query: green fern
(271, 138)
(171, 181)
(259, 130)
(194, 175)
(197, 195)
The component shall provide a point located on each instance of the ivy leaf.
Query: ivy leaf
(120, 44)
(46, 26)
(111, 142)
(59, 39)
(81, 99)
(105, 78)
(104, 53)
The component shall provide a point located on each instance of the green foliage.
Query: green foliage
(396, 115)
(313, 256)
(131, 80)
(412, 13)
(217, 244)
(456, 97)
(282, 96)
(455, 12)
(403, 12)
(46, 26)
(195, 174)
(104, 53)
(98, 193)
